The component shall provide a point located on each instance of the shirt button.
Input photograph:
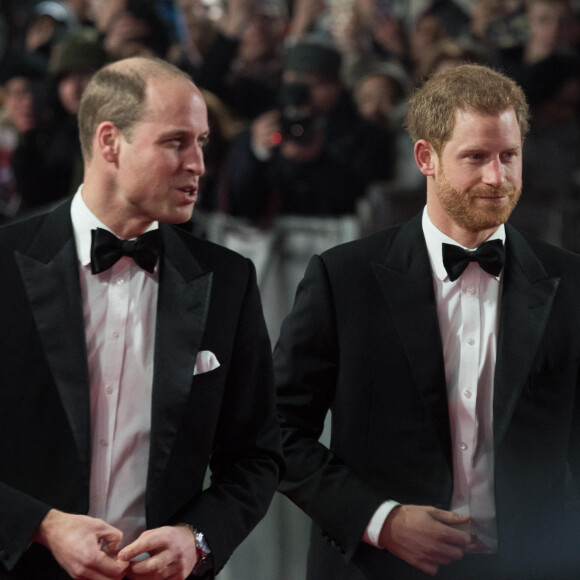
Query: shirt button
(467, 393)
(470, 341)
(115, 335)
(471, 290)
(103, 442)
(463, 446)
(109, 390)
(120, 281)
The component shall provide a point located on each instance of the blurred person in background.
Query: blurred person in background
(498, 24)
(380, 93)
(48, 23)
(550, 27)
(23, 109)
(28, 115)
(137, 29)
(47, 162)
(376, 32)
(550, 209)
(453, 52)
(426, 33)
(243, 62)
(198, 29)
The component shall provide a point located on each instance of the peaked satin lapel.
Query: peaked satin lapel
(528, 295)
(183, 302)
(49, 271)
(407, 283)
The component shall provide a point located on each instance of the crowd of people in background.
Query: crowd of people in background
(306, 102)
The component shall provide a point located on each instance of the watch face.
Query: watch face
(201, 543)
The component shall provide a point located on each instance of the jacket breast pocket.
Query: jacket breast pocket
(213, 379)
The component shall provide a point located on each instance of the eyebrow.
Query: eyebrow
(180, 132)
(477, 149)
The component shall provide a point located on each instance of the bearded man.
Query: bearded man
(448, 351)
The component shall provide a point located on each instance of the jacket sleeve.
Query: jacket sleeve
(21, 515)
(306, 363)
(246, 462)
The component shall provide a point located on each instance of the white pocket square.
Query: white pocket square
(206, 361)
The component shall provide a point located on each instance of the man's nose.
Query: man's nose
(195, 161)
(494, 173)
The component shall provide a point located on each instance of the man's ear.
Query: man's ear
(107, 138)
(425, 157)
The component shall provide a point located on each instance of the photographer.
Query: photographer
(298, 172)
(313, 155)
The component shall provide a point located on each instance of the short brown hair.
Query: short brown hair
(116, 93)
(470, 87)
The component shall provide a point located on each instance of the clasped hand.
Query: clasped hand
(88, 549)
(426, 537)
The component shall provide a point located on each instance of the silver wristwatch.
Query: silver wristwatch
(203, 563)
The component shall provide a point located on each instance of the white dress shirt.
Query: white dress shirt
(120, 307)
(468, 313)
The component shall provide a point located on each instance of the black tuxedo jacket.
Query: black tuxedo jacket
(363, 339)
(225, 418)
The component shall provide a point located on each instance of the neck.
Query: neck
(114, 216)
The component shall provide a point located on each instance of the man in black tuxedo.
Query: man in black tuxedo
(127, 366)
(451, 376)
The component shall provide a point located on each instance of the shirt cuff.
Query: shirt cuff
(373, 531)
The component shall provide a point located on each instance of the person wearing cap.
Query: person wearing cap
(49, 23)
(348, 151)
(73, 62)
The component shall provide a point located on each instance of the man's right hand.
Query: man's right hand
(425, 537)
(84, 546)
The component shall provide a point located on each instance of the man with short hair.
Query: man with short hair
(448, 351)
(133, 356)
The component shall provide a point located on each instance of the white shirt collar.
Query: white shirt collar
(83, 221)
(435, 238)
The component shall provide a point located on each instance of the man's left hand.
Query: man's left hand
(172, 550)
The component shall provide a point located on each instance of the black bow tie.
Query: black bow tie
(490, 255)
(107, 249)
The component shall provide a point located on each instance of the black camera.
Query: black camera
(296, 116)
